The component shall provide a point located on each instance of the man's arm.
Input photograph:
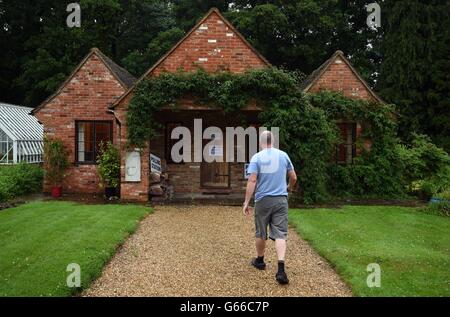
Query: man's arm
(292, 180)
(251, 184)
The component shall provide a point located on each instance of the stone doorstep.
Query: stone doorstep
(200, 199)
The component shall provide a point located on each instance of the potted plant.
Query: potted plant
(108, 168)
(55, 164)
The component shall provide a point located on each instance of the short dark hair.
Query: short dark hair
(266, 137)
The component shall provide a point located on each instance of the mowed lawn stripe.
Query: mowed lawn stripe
(39, 240)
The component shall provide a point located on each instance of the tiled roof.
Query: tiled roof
(121, 73)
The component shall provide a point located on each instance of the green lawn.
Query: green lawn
(411, 247)
(38, 240)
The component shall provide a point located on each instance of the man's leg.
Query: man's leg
(260, 247)
(278, 232)
(280, 247)
(261, 223)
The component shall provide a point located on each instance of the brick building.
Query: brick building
(338, 74)
(91, 106)
(78, 114)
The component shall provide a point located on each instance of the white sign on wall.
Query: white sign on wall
(133, 167)
(155, 164)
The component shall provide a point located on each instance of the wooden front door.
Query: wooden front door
(215, 174)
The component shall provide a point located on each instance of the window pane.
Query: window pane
(102, 134)
(85, 137)
(345, 151)
(89, 136)
(89, 156)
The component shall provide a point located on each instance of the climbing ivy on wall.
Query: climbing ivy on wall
(307, 122)
(223, 90)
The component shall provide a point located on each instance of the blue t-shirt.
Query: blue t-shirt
(271, 166)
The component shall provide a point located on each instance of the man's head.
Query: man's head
(266, 139)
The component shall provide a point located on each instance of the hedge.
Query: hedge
(20, 179)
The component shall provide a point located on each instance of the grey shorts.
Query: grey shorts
(272, 212)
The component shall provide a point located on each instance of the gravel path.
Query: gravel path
(206, 251)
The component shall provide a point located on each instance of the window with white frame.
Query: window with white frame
(6, 149)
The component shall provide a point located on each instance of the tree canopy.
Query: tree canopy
(406, 59)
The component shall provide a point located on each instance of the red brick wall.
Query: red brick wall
(339, 77)
(131, 191)
(213, 46)
(85, 97)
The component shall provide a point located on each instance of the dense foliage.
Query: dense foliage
(20, 179)
(407, 57)
(308, 130)
(440, 205)
(223, 90)
(388, 167)
(108, 165)
(415, 69)
(55, 161)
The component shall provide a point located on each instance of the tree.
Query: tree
(49, 50)
(415, 67)
(138, 62)
(188, 12)
(301, 35)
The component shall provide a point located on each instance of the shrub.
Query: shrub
(108, 167)
(55, 161)
(426, 167)
(20, 179)
(438, 208)
(445, 195)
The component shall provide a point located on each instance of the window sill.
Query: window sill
(84, 163)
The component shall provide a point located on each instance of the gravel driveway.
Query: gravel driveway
(206, 251)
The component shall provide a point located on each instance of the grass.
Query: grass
(411, 247)
(39, 240)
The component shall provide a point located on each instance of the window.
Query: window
(89, 135)
(346, 151)
(6, 149)
(171, 142)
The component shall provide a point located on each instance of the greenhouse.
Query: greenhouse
(21, 135)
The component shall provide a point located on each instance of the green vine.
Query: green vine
(307, 122)
(225, 91)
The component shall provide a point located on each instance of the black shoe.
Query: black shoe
(258, 265)
(282, 278)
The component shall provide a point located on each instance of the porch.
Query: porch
(213, 177)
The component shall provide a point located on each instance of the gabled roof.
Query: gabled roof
(165, 56)
(121, 74)
(124, 77)
(316, 74)
(18, 124)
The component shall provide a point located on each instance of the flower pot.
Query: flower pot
(110, 192)
(56, 191)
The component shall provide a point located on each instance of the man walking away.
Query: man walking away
(268, 171)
